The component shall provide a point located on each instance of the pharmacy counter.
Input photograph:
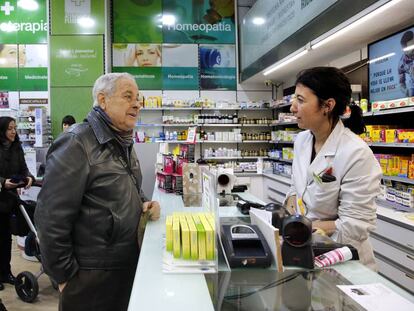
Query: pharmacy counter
(247, 289)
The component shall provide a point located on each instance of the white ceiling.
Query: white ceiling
(397, 17)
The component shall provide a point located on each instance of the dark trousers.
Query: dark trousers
(98, 290)
(5, 244)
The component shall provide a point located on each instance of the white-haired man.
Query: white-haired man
(91, 201)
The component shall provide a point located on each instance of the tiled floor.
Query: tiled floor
(48, 297)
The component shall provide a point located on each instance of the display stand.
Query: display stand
(173, 256)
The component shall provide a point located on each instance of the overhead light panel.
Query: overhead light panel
(285, 61)
(354, 24)
(258, 20)
(408, 48)
(380, 58)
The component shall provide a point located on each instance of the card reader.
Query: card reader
(245, 246)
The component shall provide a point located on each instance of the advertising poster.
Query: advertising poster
(180, 67)
(77, 17)
(32, 72)
(137, 21)
(217, 67)
(141, 60)
(391, 67)
(23, 21)
(4, 100)
(76, 60)
(205, 21)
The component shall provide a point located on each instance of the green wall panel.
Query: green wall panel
(75, 60)
(74, 101)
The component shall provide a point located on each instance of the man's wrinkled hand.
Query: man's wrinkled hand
(153, 208)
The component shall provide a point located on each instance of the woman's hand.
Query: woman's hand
(8, 184)
(29, 182)
(153, 208)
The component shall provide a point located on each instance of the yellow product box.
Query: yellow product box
(390, 136)
(211, 220)
(193, 237)
(176, 237)
(201, 235)
(411, 169)
(376, 136)
(169, 233)
(185, 237)
(209, 237)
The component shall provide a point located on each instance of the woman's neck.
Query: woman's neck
(321, 134)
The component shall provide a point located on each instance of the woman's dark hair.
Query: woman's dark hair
(69, 120)
(331, 82)
(4, 125)
(407, 36)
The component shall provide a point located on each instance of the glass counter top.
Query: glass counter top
(257, 290)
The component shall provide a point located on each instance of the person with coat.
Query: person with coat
(90, 204)
(335, 176)
(13, 174)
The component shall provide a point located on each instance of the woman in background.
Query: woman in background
(13, 174)
(67, 121)
(335, 176)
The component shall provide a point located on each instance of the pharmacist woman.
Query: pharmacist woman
(335, 176)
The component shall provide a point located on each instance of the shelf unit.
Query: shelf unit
(389, 113)
(258, 114)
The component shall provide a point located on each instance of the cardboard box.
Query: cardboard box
(176, 237)
(193, 237)
(169, 233)
(201, 237)
(210, 242)
(185, 237)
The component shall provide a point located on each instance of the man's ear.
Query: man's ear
(101, 100)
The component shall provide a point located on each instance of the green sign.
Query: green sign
(8, 79)
(23, 21)
(76, 60)
(218, 79)
(137, 21)
(147, 78)
(33, 79)
(77, 17)
(180, 78)
(205, 21)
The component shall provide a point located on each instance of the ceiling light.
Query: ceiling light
(86, 22)
(285, 61)
(30, 5)
(380, 58)
(354, 24)
(408, 48)
(258, 21)
(168, 19)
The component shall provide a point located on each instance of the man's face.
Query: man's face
(122, 106)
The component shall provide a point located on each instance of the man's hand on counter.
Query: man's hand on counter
(153, 208)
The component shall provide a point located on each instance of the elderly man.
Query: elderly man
(91, 202)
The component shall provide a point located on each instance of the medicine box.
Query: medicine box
(169, 233)
(201, 236)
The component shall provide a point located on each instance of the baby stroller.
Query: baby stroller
(26, 284)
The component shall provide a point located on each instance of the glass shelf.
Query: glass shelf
(399, 179)
(392, 145)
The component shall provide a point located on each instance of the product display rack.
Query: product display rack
(245, 114)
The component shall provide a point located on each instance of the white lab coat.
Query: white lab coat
(349, 200)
